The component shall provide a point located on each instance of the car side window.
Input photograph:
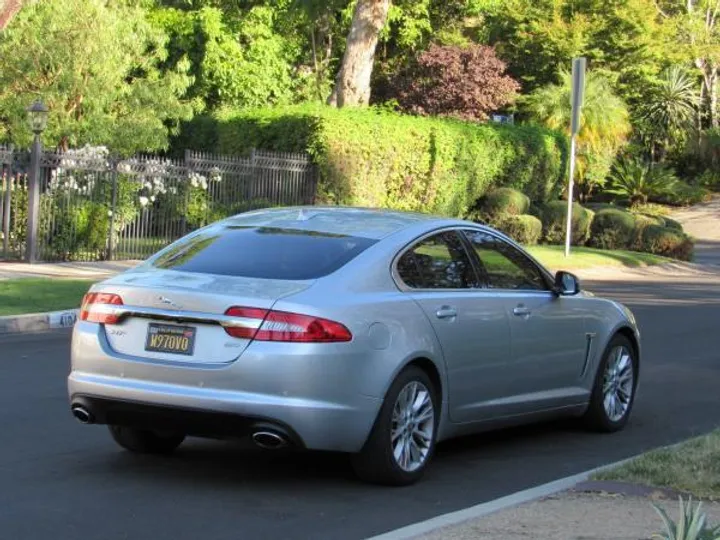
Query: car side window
(503, 265)
(437, 262)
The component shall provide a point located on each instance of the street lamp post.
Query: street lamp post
(37, 118)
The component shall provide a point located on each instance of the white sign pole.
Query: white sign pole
(578, 91)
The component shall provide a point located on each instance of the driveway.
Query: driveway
(703, 223)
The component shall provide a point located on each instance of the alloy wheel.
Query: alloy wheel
(413, 426)
(618, 383)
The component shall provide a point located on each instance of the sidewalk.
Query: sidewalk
(572, 516)
(75, 270)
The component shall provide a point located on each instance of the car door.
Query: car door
(548, 342)
(472, 327)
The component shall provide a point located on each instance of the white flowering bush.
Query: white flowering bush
(80, 196)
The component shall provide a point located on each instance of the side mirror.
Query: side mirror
(566, 284)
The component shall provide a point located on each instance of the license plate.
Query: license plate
(170, 339)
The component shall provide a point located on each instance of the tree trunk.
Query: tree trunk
(8, 9)
(714, 120)
(352, 86)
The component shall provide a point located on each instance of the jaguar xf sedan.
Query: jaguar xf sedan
(369, 332)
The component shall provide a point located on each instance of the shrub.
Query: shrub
(641, 222)
(554, 218)
(691, 524)
(672, 224)
(612, 229)
(651, 220)
(597, 206)
(368, 157)
(524, 229)
(640, 181)
(667, 242)
(78, 231)
(652, 209)
(500, 203)
(710, 180)
(464, 82)
(684, 195)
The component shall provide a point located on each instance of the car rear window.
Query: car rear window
(263, 252)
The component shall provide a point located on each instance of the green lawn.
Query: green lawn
(692, 467)
(554, 258)
(36, 295)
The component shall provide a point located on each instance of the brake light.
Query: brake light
(94, 308)
(266, 325)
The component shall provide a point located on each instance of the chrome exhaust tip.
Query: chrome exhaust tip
(82, 414)
(269, 440)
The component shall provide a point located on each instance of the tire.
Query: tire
(376, 463)
(598, 416)
(145, 442)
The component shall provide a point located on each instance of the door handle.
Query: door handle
(522, 311)
(446, 313)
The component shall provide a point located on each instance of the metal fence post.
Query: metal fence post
(113, 203)
(33, 202)
(7, 203)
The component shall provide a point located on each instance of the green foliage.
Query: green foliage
(604, 125)
(96, 66)
(500, 203)
(683, 195)
(639, 181)
(612, 229)
(690, 525)
(710, 180)
(236, 60)
(369, 157)
(669, 113)
(627, 41)
(78, 230)
(554, 220)
(672, 224)
(524, 229)
(668, 242)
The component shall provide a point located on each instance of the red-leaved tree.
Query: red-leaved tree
(463, 82)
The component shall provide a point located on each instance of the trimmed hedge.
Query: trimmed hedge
(672, 224)
(668, 242)
(554, 220)
(368, 157)
(500, 203)
(524, 229)
(612, 229)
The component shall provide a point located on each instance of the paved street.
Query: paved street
(62, 480)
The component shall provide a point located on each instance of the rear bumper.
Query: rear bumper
(199, 412)
(310, 397)
(192, 422)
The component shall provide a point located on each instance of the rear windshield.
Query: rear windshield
(263, 252)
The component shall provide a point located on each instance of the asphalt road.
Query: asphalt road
(63, 481)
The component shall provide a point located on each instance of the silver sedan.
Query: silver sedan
(370, 332)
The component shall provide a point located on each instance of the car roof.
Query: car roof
(365, 222)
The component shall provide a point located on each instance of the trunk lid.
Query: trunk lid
(172, 306)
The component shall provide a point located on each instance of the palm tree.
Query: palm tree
(604, 124)
(670, 111)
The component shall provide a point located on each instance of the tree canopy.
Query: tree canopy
(127, 73)
(97, 66)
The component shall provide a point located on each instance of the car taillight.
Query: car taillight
(267, 325)
(94, 308)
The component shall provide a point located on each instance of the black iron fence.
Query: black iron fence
(92, 206)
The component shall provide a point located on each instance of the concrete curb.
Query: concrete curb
(481, 510)
(38, 322)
